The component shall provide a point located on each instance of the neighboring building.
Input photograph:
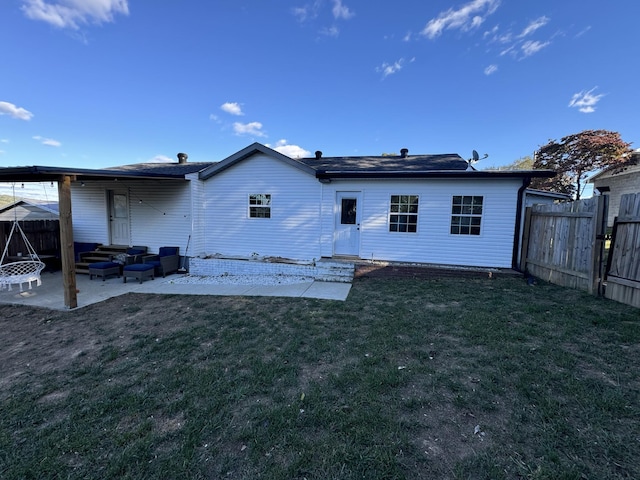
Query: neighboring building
(28, 210)
(39, 222)
(259, 203)
(618, 181)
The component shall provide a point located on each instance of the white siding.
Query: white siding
(433, 242)
(197, 244)
(293, 231)
(159, 212)
(89, 213)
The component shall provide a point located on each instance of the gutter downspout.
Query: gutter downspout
(517, 237)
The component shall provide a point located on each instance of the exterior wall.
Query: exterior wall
(293, 231)
(433, 242)
(89, 213)
(159, 212)
(621, 184)
(197, 243)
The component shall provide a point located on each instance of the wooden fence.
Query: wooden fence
(43, 235)
(564, 243)
(623, 266)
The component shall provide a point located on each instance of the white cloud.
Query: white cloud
(533, 26)
(4, 140)
(47, 141)
(330, 31)
(162, 159)
(10, 109)
(251, 128)
(585, 102)
(469, 16)
(529, 47)
(341, 11)
(293, 151)
(74, 13)
(391, 68)
(232, 108)
(490, 69)
(308, 11)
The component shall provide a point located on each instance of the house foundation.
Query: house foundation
(321, 270)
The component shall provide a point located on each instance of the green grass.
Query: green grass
(451, 378)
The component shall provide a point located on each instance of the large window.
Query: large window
(260, 205)
(466, 215)
(403, 216)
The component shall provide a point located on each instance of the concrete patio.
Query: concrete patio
(50, 293)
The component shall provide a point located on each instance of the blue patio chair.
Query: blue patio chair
(165, 262)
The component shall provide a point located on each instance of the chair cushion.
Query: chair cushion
(138, 267)
(155, 263)
(135, 251)
(103, 265)
(165, 251)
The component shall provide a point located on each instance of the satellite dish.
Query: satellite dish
(475, 156)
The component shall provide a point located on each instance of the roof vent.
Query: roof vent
(182, 157)
(318, 154)
(404, 152)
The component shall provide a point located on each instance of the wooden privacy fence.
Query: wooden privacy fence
(563, 243)
(43, 235)
(623, 266)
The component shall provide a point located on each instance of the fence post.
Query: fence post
(525, 239)
(600, 230)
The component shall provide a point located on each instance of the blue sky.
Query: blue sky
(98, 83)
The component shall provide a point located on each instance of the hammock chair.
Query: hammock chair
(23, 271)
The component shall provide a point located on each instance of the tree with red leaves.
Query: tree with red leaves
(577, 155)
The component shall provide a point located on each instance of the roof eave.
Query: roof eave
(248, 152)
(43, 173)
(335, 174)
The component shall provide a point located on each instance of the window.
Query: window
(260, 205)
(403, 215)
(466, 215)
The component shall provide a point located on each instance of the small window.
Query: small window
(260, 205)
(466, 215)
(403, 216)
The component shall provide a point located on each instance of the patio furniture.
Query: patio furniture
(139, 271)
(165, 262)
(104, 269)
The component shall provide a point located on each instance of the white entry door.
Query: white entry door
(346, 236)
(118, 218)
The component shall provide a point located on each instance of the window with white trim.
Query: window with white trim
(466, 214)
(260, 205)
(403, 213)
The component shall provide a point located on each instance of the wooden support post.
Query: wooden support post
(66, 243)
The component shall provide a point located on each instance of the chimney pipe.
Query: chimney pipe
(182, 157)
(404, 152)
(318, 154)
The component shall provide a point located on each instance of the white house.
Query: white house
(423, 208)
(259, 203)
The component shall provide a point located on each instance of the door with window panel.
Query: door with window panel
(346, 237)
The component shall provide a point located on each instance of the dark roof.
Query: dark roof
(387, 163)
(139, 170)
(168, 169)
(392, 166)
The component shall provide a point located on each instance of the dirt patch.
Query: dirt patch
(420, 272)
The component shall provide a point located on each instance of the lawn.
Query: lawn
(449, 378)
